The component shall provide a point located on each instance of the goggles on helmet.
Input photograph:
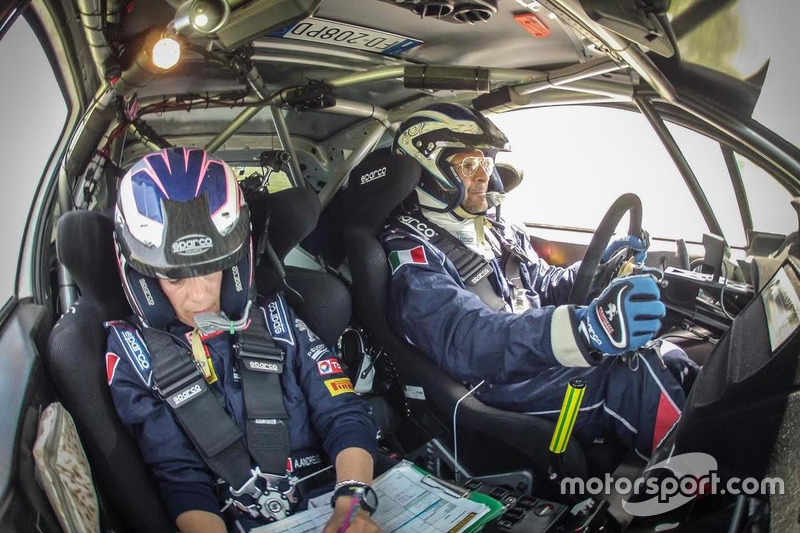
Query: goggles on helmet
(468, 166)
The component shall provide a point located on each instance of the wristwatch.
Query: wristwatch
(368, 498)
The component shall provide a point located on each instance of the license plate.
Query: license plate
(342, 34)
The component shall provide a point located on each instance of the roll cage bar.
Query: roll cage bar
(490, 90)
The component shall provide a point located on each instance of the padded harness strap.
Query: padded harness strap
(474, 269)
(181, 385)
(261, 362)
(216, 437)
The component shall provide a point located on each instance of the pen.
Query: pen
(355, 503)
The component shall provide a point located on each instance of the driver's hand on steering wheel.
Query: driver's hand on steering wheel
(625, 316)
(637, 244)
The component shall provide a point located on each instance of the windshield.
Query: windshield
(740, 41)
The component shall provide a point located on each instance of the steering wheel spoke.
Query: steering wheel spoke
(593, 276)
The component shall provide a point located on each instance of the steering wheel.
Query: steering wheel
(593, 276)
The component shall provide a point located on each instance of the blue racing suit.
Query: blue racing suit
(323, 414)
(526, 354)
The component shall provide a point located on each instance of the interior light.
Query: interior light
(201, 16)
(166, 53)
(201, 20)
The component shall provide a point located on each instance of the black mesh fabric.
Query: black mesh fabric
(75, 360)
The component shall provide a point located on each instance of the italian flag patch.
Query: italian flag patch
(403, 257)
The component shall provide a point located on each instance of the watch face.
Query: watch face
(369, 500)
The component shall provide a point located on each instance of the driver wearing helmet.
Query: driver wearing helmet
(469, 290)
(231, 403)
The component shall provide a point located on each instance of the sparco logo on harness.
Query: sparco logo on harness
(185, 395)
(480, 275)
(375, 174)
(418, 226)
(192, 245)
(258, 365)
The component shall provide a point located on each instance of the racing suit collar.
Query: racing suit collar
(470, 231)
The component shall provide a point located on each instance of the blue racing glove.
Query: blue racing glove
(623, 318)
(639, 245)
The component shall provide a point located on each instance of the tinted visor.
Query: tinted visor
(191, 245)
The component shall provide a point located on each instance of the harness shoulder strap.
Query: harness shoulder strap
(180, 384)
(217, 438)
(474, 269)
(261, 362)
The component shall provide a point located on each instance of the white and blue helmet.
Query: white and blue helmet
(432, 135)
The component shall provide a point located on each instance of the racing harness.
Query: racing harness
(178, 381)
(474, 269)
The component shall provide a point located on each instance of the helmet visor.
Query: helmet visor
(192, 245)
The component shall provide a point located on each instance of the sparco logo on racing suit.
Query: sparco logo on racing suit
(237, 279)
(141, 358)
(375, 174)
(192, 245)
(418, 226)
(185, 395)
(275, 318)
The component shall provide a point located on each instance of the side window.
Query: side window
(33, 112)
(705, 157)
(770, 204)
(578, 159)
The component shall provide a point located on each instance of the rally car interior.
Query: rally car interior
(301, 98)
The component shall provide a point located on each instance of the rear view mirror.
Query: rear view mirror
(636, 20)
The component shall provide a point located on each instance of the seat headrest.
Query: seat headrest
(85, 246)
(376, 187)
(293, 214)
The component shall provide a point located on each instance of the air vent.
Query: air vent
(433, 8)
(458, 11)
(475, 11)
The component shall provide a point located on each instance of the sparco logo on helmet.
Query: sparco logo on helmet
(375, 174)
(418, 226)
(192, 245)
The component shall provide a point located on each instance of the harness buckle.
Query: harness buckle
(264, 495)
(258, 355)
(183, 384)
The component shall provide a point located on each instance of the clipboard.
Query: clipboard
(410, 499)
(451, 490)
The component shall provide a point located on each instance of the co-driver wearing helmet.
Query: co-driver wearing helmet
(183, 237)
(491, 310)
